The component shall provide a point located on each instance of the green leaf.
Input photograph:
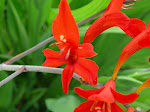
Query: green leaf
(16, 27)
(2, 5)
(64, 104)
(90, 9)
(35, 96)
(129, 79)
(6, 92)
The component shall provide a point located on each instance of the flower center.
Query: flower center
(71, 55)
(101, 107)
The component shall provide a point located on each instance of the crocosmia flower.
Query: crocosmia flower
(114, 17)
(103, 99)
(139, 42)
(65, 31)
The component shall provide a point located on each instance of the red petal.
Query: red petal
(116, 108)
(84, 107)
(87, 93)
(86, 50)
(102, 96)
(140, 41)
(53, 59)
(67, 76)
(145, 42)
(124, 99)
(133, 27)
(146, 84)
(64, 24)
(131, 109)
(104, 22)
(115, 5)
(87, 69)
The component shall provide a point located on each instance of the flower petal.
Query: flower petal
(87, 93)
(53, 59)
(146, 84)
(133, 27)
(86, 107)
(86, 50)
(104, 22)
(64, 26)
(115, 5)
(140, 41)
(116, 108)
(131, 109)
(102, 96)
(67, 76)
(124, 99)
(87, 69)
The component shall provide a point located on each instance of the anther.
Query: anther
(80, 47)
(62, 38)
(93, 106)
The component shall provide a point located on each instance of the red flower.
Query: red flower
(103, 99)
(66, 32)
(113, 17)
(140, 41)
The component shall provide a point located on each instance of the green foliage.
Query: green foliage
(64, 104)
(25, 23)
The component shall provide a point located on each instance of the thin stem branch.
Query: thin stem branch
(28, 68)
(12, 76)
(42, 69)
(21, 55)
(127, 106)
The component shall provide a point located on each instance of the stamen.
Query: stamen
(67, 55)
(108, 107)
(54, 44)
(126, 6)
(103, 108)
(61, 50)
(123, 8)
(129, 1)
(93, 106)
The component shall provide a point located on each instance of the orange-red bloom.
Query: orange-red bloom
(66, 32)
(113, 17)
(103, 99)
(140, 41)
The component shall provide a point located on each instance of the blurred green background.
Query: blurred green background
(25, 23)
